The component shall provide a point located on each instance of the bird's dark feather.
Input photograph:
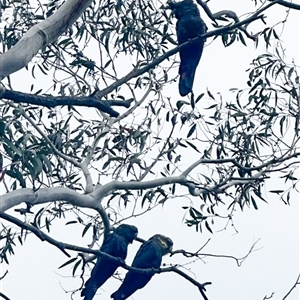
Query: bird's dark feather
(115, 244)
(148, 256)
(189, 25)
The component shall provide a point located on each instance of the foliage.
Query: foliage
(241, 142)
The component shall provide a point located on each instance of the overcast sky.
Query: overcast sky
(273, 267)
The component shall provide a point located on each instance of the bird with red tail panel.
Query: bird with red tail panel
(189, 25)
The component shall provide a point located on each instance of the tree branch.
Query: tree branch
(219, 14)
(287, 4)
(52, 101)
(4, 297)
(40, 234)
(93, 200)
(198, 254)
(45, 195)
(201, 286)
(41, 34)
(133, 74)
(293, 287)
(132, 109)
(63, 246)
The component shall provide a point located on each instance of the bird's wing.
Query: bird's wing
(147, 256)
(104, 268)
(115, 245)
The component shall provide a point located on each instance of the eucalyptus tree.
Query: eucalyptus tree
(98, 135)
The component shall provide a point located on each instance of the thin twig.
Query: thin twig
(293, 287)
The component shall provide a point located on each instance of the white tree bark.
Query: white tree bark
(40, 35)
(45, 195)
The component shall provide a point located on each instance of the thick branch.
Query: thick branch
(93, 200)
(287, 4)
(137, 185)
(51, 101)
(45, 195)
(40, 35)
(4, 297)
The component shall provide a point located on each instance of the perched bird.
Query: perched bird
(189, 26)
(148, 256)
(115, 244)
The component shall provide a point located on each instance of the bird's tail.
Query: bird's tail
(186, 82)
(116, 296)
(88, 292)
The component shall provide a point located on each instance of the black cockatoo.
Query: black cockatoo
(188, 26)
(148, 256)
(115, 244)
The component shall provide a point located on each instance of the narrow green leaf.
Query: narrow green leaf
(68, 262)
(86, 228)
